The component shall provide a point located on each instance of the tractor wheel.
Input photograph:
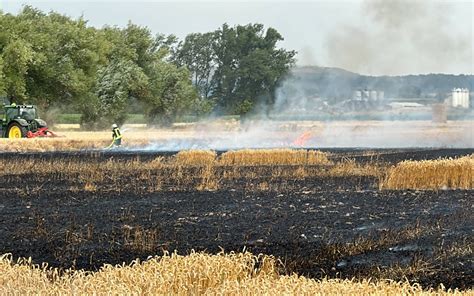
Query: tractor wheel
(16, 131)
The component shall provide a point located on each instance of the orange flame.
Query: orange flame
(302, 139)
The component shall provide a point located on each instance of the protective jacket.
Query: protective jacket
(117, 136)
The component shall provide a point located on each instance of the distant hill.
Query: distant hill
(338, 84)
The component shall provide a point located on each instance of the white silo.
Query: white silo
(380, 95)
(373, 95)
(460, 98)
(463, 98)
(357, 95)
(466, 98)
(456, 97)
(365, 94)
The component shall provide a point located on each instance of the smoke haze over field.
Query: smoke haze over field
(402, 36)
(396, 134)
(374, 37)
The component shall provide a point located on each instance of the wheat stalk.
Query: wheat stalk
(195, 274)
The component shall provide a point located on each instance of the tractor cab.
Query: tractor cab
(26, 112)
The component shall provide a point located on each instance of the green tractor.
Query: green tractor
(22, 121)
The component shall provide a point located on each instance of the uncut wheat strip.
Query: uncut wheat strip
(169, 274)
(197, 273)
(272, 157)
(257, 157)
(195, 157)
(432, 174)
(446, 173)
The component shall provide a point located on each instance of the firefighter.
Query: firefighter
(116, 136)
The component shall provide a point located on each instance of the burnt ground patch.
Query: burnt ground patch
(424, 236)
(317, 227)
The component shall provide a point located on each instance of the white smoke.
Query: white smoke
(399, 36)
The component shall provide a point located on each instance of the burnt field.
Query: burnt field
(388, 155)
(331, 219)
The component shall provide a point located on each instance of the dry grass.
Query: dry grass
(349, 167)
(56, 144)
(183, 159)
(195, 158)
(194, 169)
(432, 174)
(203, 170)
(250, 157)
(72, 141)
(62, 144)
(195, 274)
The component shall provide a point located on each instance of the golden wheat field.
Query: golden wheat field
(194, 274)
(450, 173)
(273, 156)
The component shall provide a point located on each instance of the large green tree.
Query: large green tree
(49, 58)
(197, 54)
(117, 84)
(2, 79)
(173, 94)
(250, 66)
(237, 67)
(139, 73)
(17, 56)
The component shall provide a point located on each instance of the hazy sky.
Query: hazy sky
(371, 37)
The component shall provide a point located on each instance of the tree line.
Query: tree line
(60, 63)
